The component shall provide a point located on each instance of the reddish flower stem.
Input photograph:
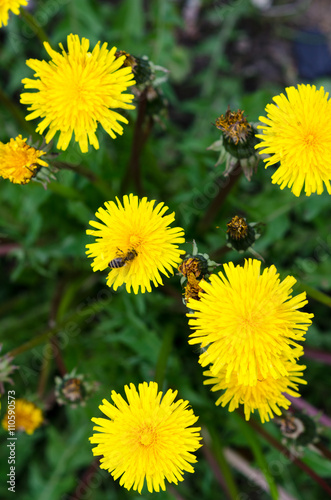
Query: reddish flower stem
(140, 136)
(215, 206)
(84, 483)
(6, 248)
(53, 342)
(287, 454)
(216, 470)
(322, 356)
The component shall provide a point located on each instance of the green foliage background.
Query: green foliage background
(117, 338)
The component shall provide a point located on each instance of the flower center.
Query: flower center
(250, 324)
(20, 158)
(309, 140)
(135, 241)
(77, 95)
(147, 436)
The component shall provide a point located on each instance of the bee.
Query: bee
(121, 261)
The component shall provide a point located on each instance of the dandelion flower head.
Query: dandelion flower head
(26, 417)
(297, 134)
(266, 396)
(149, 437)
(76, 90)
(140, 229)
(6, 6)
(248, 322)
(19, 161)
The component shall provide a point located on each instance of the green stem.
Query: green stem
(219, 253)
(45, 368)
(140, 136)
(58, 356)
(53, 319)
(51, 332)
(86, 478)
(218, 449)
(325, 451)
(36, 28)
(321, 297)
(297, 461)
(220, 198)
(99, 183)
(258, 453)
(60, 300)
(161, 364)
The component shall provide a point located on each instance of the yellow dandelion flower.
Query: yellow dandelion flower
(297, 134)
(247, 322)
(136, 242)
(149, 437)
(78, 89)
(266, 395)
(6, 6)
(19, 162)
(23, 416)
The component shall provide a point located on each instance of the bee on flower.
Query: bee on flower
(134, 239)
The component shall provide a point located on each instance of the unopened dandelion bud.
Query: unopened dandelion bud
(143, 70)
(197, 265)
(238, 134)
(298, 428)
(192, 288)
(200, 264)
(73, 389)
(236, 146)
(240, 235)
(156, 103)
(310, 431)
(140, 66)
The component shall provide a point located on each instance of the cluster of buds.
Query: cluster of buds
(73, 390)
(237, 143)
(194, 268)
